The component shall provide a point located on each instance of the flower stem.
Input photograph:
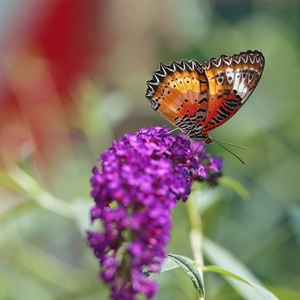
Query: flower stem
(195, 233)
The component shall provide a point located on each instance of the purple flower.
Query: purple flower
(212, 167)
(142, 177)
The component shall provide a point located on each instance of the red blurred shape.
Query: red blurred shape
(43, 64)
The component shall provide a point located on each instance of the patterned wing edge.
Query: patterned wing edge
(254, 56)
(166, 70)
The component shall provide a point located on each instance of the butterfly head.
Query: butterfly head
(207, 140)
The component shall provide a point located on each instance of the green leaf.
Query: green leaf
(191, 271)
(168, 264)
(294, 212)
(238, 271)
(9, 182)
(29, 187)
(234, 185)
(264, 292)
(285, 293)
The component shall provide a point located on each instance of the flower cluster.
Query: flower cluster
(142, 176)
(211, 165)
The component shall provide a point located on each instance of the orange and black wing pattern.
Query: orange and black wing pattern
(197, 98)
(231, 81)
(179, 93)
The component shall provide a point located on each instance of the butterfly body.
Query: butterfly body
(198, 98)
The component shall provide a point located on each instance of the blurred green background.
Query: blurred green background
(74, 80)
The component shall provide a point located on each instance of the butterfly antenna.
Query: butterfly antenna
(219, 143)
(230, 144)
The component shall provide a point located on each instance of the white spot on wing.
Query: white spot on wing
(240, 85)
(237, 79)
(229, 76)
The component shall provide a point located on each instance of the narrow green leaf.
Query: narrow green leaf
(191, 271)
(284, 292)
(168, 264)
(234, 185)
(226, 261)
(294, 212)
(31, 188)
(264, 292)
(9, 183)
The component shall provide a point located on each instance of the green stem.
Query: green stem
(195, 233)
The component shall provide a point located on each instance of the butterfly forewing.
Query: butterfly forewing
(179, 93)
(231, 81)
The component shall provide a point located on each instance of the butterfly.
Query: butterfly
(197, 98)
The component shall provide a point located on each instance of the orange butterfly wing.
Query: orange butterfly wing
(231, 81)
(198, 98)
(179, 93)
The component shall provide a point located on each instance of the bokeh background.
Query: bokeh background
(72, 79)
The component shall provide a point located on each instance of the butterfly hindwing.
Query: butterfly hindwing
(231, 81)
